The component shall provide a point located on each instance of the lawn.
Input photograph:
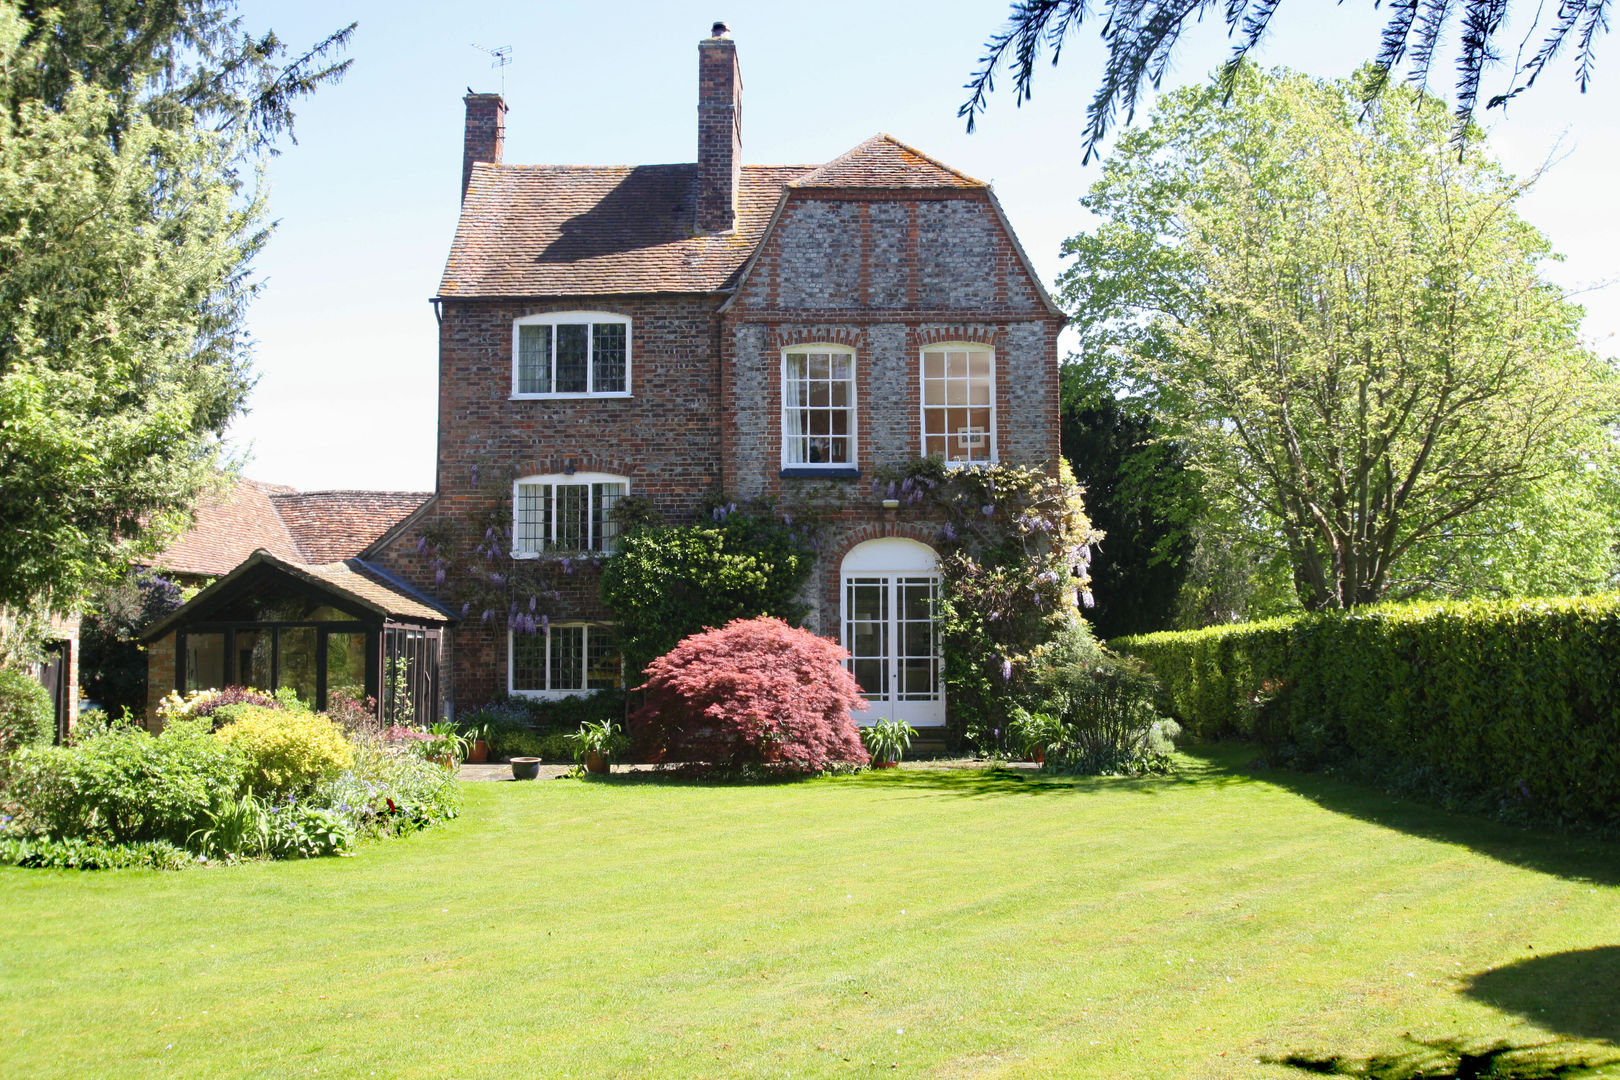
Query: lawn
(919, 924)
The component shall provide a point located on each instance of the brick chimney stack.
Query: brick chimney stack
(485, 136)
(719, 132)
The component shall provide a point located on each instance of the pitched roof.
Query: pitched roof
(883, 161)
(358, 582)
(371, 586)
(333, 525)
(571, 230)
(300, 527)
(227, 527)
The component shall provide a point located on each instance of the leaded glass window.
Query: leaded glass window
(566, 513)
(565, 658)
(574, 354)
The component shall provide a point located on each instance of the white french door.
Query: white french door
(893, 642)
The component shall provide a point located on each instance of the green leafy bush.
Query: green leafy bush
(524, 727)
(1108, 723)
(301, 831)
(1512, 706)
(123, 785)
(887, 740)
(27, 716)
(1034, 735)
(235, 827)
(668, 582)
(524, 742)
(602, 737)
(77, 853)
(386, 792)
(284, 751)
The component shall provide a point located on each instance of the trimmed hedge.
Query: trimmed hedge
(1511, 705)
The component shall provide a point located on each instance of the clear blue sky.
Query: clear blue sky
(367, 200)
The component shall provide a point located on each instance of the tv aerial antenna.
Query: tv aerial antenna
(500, 56)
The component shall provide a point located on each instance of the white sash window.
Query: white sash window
(959, 403)
(818, 408)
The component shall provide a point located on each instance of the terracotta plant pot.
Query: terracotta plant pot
(525, 768)
(479, 754)
(876, 764)
(596, 763)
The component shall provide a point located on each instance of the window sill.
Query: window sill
(553, 695)
(619, 395)
(809, 472)
(559, 554)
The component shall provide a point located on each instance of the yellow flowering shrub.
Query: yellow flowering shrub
(286, 751)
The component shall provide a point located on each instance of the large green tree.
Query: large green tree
(1140, 494)
(130, 139)
(1346, 324)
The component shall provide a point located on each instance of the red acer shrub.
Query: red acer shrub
(756, 693)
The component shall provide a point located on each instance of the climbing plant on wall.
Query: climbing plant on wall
(1015, 568)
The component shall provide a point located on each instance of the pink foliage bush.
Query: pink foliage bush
(756, 693)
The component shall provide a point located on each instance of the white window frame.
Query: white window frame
(548, 692)
(924, 406)
(587, 480)
(789, 465)
(555, 319)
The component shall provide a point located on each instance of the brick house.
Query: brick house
(666, 331)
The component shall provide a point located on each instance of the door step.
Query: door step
(929, 742)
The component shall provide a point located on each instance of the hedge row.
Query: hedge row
(1512, 704)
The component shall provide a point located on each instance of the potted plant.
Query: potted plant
(476, 736)
(886, 741)
(445, 745)
(596, 744)
(1035, 735)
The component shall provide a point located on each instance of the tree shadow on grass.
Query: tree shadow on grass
(999, 781)
(1575, 858)
(1457, 1059)
(1572, 993)
(983, 782)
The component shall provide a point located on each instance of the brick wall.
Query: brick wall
(160, 661)
(664, 439)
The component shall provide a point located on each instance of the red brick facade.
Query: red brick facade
(884, 251)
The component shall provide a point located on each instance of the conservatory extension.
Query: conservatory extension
(316, 630)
